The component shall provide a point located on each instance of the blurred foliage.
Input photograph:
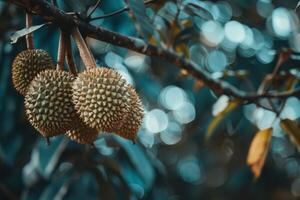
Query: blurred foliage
(238, 41)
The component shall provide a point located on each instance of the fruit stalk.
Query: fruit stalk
(69, 56)
(61, 52)
(29, 37)
(84, 51)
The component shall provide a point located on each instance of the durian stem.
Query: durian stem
(61, 52)
(85, 53)
(69, 56)
(29, 37)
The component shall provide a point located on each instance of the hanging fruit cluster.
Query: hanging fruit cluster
(79, 106)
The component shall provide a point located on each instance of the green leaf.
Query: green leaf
(140, 162)
(291, 128)
(25, 31)
(219, 117)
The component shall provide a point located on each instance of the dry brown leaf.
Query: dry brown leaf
(258, 151)
(291, 128)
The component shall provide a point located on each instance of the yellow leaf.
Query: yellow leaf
(186, 23)
(220, 116)
(182, 49)
(291, 128)
(174, 31)
(152, 40)
(290, 82)
(258, 151)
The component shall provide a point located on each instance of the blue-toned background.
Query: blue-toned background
(239, 42)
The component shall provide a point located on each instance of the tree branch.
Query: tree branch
(29, 37)
(69, 22)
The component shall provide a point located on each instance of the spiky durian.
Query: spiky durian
(27, 65)
(133, 121)
(82, 134)
(48, 102)
(101, 98)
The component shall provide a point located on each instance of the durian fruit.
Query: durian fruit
(48, 102)
(27, 65)
(134, 120)
(101, 98)
(81, 133)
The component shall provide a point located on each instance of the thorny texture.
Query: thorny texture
(82, 133)
(101, 97)
(27, 65)
(68, 22)
(133, 121)
(48, 102)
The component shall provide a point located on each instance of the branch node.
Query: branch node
(29, 37)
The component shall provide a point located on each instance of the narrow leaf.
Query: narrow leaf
(220, 116)
(25, 31)
(199, 9)
(138, 9)
(291, 128)
(258, 151)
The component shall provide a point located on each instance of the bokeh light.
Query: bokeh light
(235, 31)
(156, 121)
(185, 113)
(172, 97)
(190, 171)
(172, 134)
(213, 32)
(281, 22)
(220, 105)
(217, 61)
(264, 8)
(136, 62)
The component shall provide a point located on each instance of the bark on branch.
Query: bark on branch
(68, 22)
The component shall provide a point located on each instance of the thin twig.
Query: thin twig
(61, 51)
(69, 56)
(126, 8)
(29, 37)
(85, 53)
(94, 8)
(269, 79)
(68, 22)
